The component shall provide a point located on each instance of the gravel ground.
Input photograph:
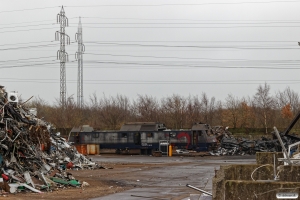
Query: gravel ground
(141, 177)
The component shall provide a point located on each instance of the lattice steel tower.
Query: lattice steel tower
(78, 56)
(62, 55)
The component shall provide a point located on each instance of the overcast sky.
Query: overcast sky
(156, 47)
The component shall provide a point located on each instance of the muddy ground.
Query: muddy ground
(133, 173)
(99, 181)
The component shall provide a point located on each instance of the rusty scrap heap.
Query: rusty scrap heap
(230, 145)
(32, 156)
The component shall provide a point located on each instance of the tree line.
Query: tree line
(262, 110)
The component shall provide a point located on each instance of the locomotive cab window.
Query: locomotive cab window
(149, 135)
(137, 138)
(95, 135)
(172, 134)
(75, 134)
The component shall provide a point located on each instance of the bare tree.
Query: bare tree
(246, 113)
(218, 119)
(146, 108)
(193, 110)
(41, 105)
(288, 96)
(93, 111)
(113, 111)
(232, 105)
(208, 108)
(264, 104)
(175, 107)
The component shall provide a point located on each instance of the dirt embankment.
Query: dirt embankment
(99, 185)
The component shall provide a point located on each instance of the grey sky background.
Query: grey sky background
(158, 48)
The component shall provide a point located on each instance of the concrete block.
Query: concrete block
(254, 190)
(238, 172)
(290, 173)
(263, 158)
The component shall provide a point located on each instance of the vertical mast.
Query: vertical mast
(62, 55)
(78, 56)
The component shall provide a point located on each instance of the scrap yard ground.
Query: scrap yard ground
(142, 177)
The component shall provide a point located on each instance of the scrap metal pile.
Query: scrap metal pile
(32, 156)
(229, 145)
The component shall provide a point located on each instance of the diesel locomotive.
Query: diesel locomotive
(147, 137)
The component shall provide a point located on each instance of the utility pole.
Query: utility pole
(78, 56)
(62, 55)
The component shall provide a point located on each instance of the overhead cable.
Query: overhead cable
(184, 4)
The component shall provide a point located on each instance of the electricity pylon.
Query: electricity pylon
(78, 56)
(62, 55)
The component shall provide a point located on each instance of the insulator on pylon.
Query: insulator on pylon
(57, 35)
(68, 39)
(58, 54)
(76, 35)
(66, 57)
(58, 18)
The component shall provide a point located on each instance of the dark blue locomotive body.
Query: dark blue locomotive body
(147, 137)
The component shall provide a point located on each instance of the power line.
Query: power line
(214, 62)
(184, 66)
(185, 46)
(137, 56)
(26, 62)
(122, 82)
(34, 21)
(195, 4)
(26, 59)
(28, 65)
(188, 81)
(174, 48)
(181, 27)
(28, 26)
(197, 41)
(27, 47)
(27, 30)
(148, 19)
(159, 81)
(29, 9)
(24, 43)
(202, 60)
(170, 66)
(184, 23)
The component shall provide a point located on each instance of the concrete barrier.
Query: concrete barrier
(239, 173)
(263, 158)
(254, 190)
(235, 182)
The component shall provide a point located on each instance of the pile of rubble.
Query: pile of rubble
(229, 145)
(32, 156)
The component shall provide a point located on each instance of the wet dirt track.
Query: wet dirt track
(142, 177)
(165, 177)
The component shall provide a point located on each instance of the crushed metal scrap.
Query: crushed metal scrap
(32, 157)
(229, 145)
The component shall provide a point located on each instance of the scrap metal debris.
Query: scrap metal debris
(32, 156)
(230, 145)
(198, 189)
